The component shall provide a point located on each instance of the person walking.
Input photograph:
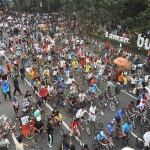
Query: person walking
(6, 89)
(50, 133)
(16, 85)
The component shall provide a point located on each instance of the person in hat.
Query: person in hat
(38, 126)
(119, 114)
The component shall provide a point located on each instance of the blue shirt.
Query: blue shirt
(100, 137)
(94, 88)
(126, 127)
(120, 114)
(5, 87)
(140, 80)
(110, 128)
(140, 97)
(58, 79)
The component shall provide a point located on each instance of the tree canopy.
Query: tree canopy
(134, 14)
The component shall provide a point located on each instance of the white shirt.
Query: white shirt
(80, 113)
(69, 81)
(92, 110)
(54, 73)
(24, 120)
(19, 146)
(133, 81)
(61, 63)
(146, 136)
(82, 96)
(141, 106)
(89, 75)
(39, 56)
(50, 89)
(2, 52)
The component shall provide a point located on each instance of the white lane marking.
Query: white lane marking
(137, 137)
(128, 94)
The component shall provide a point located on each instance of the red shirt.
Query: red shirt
(36, 75)
(43, 92)
(74, 125)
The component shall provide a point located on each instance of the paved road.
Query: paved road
(124, 98)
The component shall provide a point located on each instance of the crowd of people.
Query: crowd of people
(55, 61)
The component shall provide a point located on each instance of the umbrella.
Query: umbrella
(1, 12)
(42, 26)
(120, 61)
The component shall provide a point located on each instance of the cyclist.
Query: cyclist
(87, 67)
(75, 64)
(25, 105)
(110, 129)
(8, 67)
(80, 113)
(92, 113)
(43, 94)
(85, 147)
(46, 72)
(37, 113)
(36, 84)
(73, 103)
(82, 97)
(28, 94)
(141, 106)
(120, 114)
(107, 94)
(130, 107)
(146, 138)
(22, 73)
(126, 128)
(117, 88)
(58, 119)
(74, 127)
(101, 138)
(66, 142)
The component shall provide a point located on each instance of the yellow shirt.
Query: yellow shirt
(31, 75)
(38, 83)
(75, 64)
(46, 72)
(59, 117)
(87, 68)
(125, 81)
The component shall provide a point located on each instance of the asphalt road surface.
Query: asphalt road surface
(6, 108)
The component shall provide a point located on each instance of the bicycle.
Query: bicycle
(106, 146)
(78, 138)
(119, 135)
(31, 132)
(135, 116)
(84, 122)
(9, 126)
(144, 129)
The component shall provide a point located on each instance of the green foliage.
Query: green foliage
(128, 22)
